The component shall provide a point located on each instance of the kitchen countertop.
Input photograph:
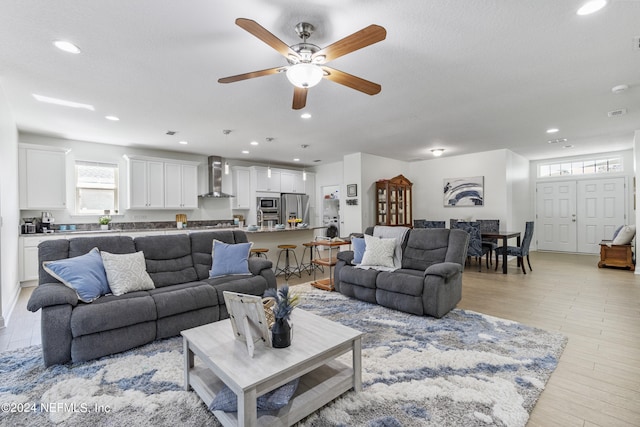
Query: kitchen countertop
(275, 230)
(142, 230)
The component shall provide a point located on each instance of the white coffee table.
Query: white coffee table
(316, 344)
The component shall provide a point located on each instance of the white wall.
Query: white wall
(9, 212)
(327, 175)
(208, 208)
(518, 192)
(351, 215)
(428, 176)
(636, 188)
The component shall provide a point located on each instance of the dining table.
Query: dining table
(504, 235)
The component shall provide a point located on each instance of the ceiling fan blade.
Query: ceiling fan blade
(349, 80)
(363, 38)
(299, 97)
(263, 34)
(251, 75)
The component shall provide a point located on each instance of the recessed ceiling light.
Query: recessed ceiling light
(66, 46)
(62, 102)
(619, 88)
(112, 118)
(305, 115)
(437, 152)
(183, 142)
(296, 160)
(591, 6)
(245, 151)
(567, 146)
(254, 143)
(555, 141)
(552, 130)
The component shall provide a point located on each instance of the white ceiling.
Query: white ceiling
(463, 75)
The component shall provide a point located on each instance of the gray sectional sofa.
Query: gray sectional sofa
(429, 282)
(184, 295)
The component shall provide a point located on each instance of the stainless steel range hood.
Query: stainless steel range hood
(214, 169)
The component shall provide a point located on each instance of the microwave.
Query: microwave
(270, 203)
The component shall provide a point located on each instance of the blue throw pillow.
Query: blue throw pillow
(229, 259)
(359, 246)
(85, 274)
(227, 401)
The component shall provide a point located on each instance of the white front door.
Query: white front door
(556, 216)
(600, 211)
(574, 216)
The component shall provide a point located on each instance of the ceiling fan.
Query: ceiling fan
(306, 61)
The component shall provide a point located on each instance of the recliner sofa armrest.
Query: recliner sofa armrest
(346, 256)
(256, 265)
(49, 294)
(445, 270)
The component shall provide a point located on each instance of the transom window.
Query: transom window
(96, 188)
(581, 167)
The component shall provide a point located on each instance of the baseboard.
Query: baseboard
(4, 320)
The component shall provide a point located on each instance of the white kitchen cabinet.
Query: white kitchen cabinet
(291, 182)
(241, 188)
(264, 183)
(180, 185)
(146, 184)
(28, 255)
(42, 177)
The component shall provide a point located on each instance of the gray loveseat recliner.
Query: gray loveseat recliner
(184, 296)
(429, 282)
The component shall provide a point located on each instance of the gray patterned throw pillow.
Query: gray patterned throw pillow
(126, 272)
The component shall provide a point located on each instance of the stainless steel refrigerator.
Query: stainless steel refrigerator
(294, 206)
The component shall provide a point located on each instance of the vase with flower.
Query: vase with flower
(284, 303)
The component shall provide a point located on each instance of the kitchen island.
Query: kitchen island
(271, 238)
(262, 238)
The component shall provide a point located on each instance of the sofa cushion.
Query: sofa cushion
(84, 274)
(425, 247)
(229, 259)
(112, 244)
(400, 283)
(112, 312)
(201, 244)
(168, 258)
(176, 299)
(51, 250)
(126, 272)
(359, 277)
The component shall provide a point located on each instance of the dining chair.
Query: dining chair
(475, 242)
(521, 251)
(489, 225)
(424, 223)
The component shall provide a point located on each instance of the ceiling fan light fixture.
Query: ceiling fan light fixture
(304, 75)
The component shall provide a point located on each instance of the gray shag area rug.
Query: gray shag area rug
(466, 369)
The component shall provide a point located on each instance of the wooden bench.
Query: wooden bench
(616, 255)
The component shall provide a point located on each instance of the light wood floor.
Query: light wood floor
(597, 382)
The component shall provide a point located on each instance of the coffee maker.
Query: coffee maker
(29, 225)
(46, 222)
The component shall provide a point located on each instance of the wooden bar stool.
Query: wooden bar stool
(288, 268)
(259, 252)
(310, 266)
